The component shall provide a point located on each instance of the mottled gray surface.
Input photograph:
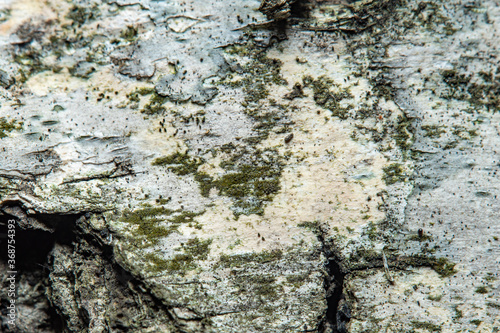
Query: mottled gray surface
(148, 159)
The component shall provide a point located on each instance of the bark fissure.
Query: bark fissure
(337, 314)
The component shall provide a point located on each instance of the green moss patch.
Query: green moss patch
(252, 175)
(328, 95)
(420, 237)
(493, 305)
(483, 90)
(426, 326)
(255, 78)
(31, 62)
(7, 126)
(403, 135)
(433, 131)
(458, 313)
(444, 267)
(297, 280)
(394, 173)
(369, 258)
(240, 260)
(179, 163)
(194, 250)
(259, 72)
(197, 248)
(153, 223)
(314, 227)
(149, 227)
(129, 34)
(155, 105)
(135, 96)
(81, 15)
(205, 182)
(260, 285)
(383, 87)
(251, 180)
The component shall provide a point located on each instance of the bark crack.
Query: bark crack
(121, 169)
(338, 314)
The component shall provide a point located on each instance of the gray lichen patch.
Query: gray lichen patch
(43, 48)
(194, 60)
(252, 277)
(260, 289)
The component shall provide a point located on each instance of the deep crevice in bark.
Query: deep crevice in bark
(338, 313)
(32, 252)
(35, 262)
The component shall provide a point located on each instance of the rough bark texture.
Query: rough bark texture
(180, 167)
